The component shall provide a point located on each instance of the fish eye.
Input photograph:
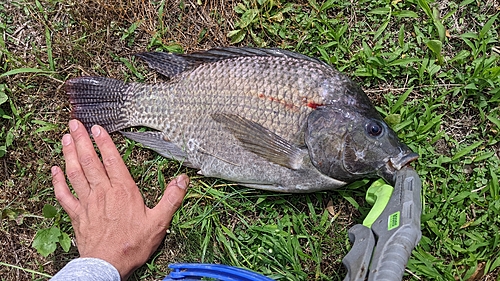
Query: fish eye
(374, 128)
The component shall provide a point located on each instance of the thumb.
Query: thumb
(171, 200)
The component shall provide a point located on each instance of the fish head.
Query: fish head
(354, 143)
(373, 149)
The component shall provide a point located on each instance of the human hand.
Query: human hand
(110, 219)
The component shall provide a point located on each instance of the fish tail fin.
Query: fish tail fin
(99, 100)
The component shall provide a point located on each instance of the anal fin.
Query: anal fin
(156, 142)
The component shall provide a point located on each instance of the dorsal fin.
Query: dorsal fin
(170, 65)
(166, 64)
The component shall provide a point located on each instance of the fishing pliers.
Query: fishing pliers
(383, 244)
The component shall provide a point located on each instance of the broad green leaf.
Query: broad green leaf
(495, 264)
(350, 199)
(494, 184)
(462, 55)
(434, 15)
(25, 70)
(240, 8)
(260, 200)
(380, 11)
(494, 120)
(405, 14)
(130, 30)
(425, 6)
(392, 119)
(401, 35)
(357, 184)
(287, 8)
(65, 241)
(131, 67)
(49, 211)
(468, 35)
(3, 150)
(16, 215)
(471, 86)
(172, 48)
(381, 29)
(493, 72)
(46, 126)
(3, 95)
(430, 124)
(487, 26)
(259, 41)
(9, 139)
(328, 4)
(466, 2)
(237, 35)
(466, 150)
(45, 240)
(484, 156)
(366, 49)
(314, 4)
(435, 46)
(324, 54)
(461, 196)
(247, 18)
(438, 24)
(402, 125)
(401, 100)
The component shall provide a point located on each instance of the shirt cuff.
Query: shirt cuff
(88, 269)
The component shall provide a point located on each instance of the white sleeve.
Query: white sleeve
(87, 269)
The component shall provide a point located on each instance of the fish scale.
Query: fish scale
(267, 106)
(265, 118)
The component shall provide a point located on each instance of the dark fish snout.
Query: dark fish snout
(403, 159)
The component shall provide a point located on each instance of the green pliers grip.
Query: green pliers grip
(382, 245)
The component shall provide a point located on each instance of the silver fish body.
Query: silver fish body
(264, 118)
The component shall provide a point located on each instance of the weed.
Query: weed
(45, 239)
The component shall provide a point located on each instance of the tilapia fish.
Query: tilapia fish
(264, 118)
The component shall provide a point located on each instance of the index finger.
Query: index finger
(88, 160)
(113, 163)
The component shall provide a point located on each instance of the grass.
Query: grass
(431, 68)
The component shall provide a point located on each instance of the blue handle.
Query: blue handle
(197, 271)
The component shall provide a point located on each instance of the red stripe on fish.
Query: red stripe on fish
(287, 104)
(313, 105)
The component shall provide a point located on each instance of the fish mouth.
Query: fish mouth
(402, 160)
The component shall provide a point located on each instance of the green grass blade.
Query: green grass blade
(494, 120)
(487, 26)
(425, 6)
(25, 70)
(48, 42)
(466, 150)
(25, 269)
(401, 100)
(494, 184)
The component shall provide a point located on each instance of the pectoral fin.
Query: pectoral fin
(261, 141)
(156, 142)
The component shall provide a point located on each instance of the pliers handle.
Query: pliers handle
(381, 250)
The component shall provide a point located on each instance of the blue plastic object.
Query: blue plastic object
(197, 271)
